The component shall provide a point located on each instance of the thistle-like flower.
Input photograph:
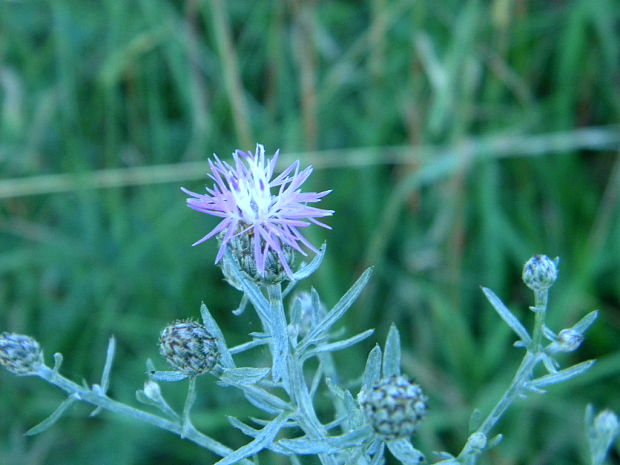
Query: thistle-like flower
(242, 196)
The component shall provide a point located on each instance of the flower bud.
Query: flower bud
(20, 354)
(394, 407)
(606, 423)
(242, 249)
(477, 441)
(540, 272)
(189, 347)
(568, 340)
(152, 390)
(304, 314)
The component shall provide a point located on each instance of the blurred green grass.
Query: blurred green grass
(459, 138)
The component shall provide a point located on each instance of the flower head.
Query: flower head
(252, 203)
(189, 347)
(540, 272)
(394, 406)
(20, 354)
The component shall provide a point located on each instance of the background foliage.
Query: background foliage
(459, 138)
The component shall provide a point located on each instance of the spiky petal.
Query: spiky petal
(251, 201)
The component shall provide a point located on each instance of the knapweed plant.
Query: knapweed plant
(262, 216)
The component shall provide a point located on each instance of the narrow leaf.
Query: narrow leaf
(252, 432)
(582, 325)
(339, 345)
(330, 445)
(251, 290)
(207, 319)
(338, 311)
(248, 345)
(57, 361)
(391, 354)
(170, 376)
(243, 375)
(405, 452)
(105, 376)
(560, 376)
(262, 440)
(244, 428)
(242, 306)
(311, 267)
(264, 400)
(53, 418)
(475, 419)
(506, 315)
(372, 372)
(377, 458)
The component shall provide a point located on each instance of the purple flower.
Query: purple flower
(251, 203)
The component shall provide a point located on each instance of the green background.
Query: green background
(459, 138)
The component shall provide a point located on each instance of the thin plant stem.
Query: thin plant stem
(279, 336)
(103, 401)
(293, 370)
(189, 402)
(522, 376)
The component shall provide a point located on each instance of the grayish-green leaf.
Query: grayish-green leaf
(253, 433)
(248, 345)
(262, 440)
(105, 376)
(582, 325)
(506, 315)
(57, 361)
(320, 330)
(242, 306)
(54, 417)
(311, 267)
(209, 322)
(264, 400)
(251, 290)
(379, 457)
(391, 354)
(170, 376)
(151, 395)
(330, 445)
(405, 452)
(560, 376)
(602, 431)
(243, 375)
(475, 419)
(107, 368)
(339, 345)
(372, 372)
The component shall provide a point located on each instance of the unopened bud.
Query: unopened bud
(477, 441)
(394, 407)
(540, 272)
(568, 340)
(152, 390)
(20, 354)
(606, 423)
(242, 250)
(189, 347)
